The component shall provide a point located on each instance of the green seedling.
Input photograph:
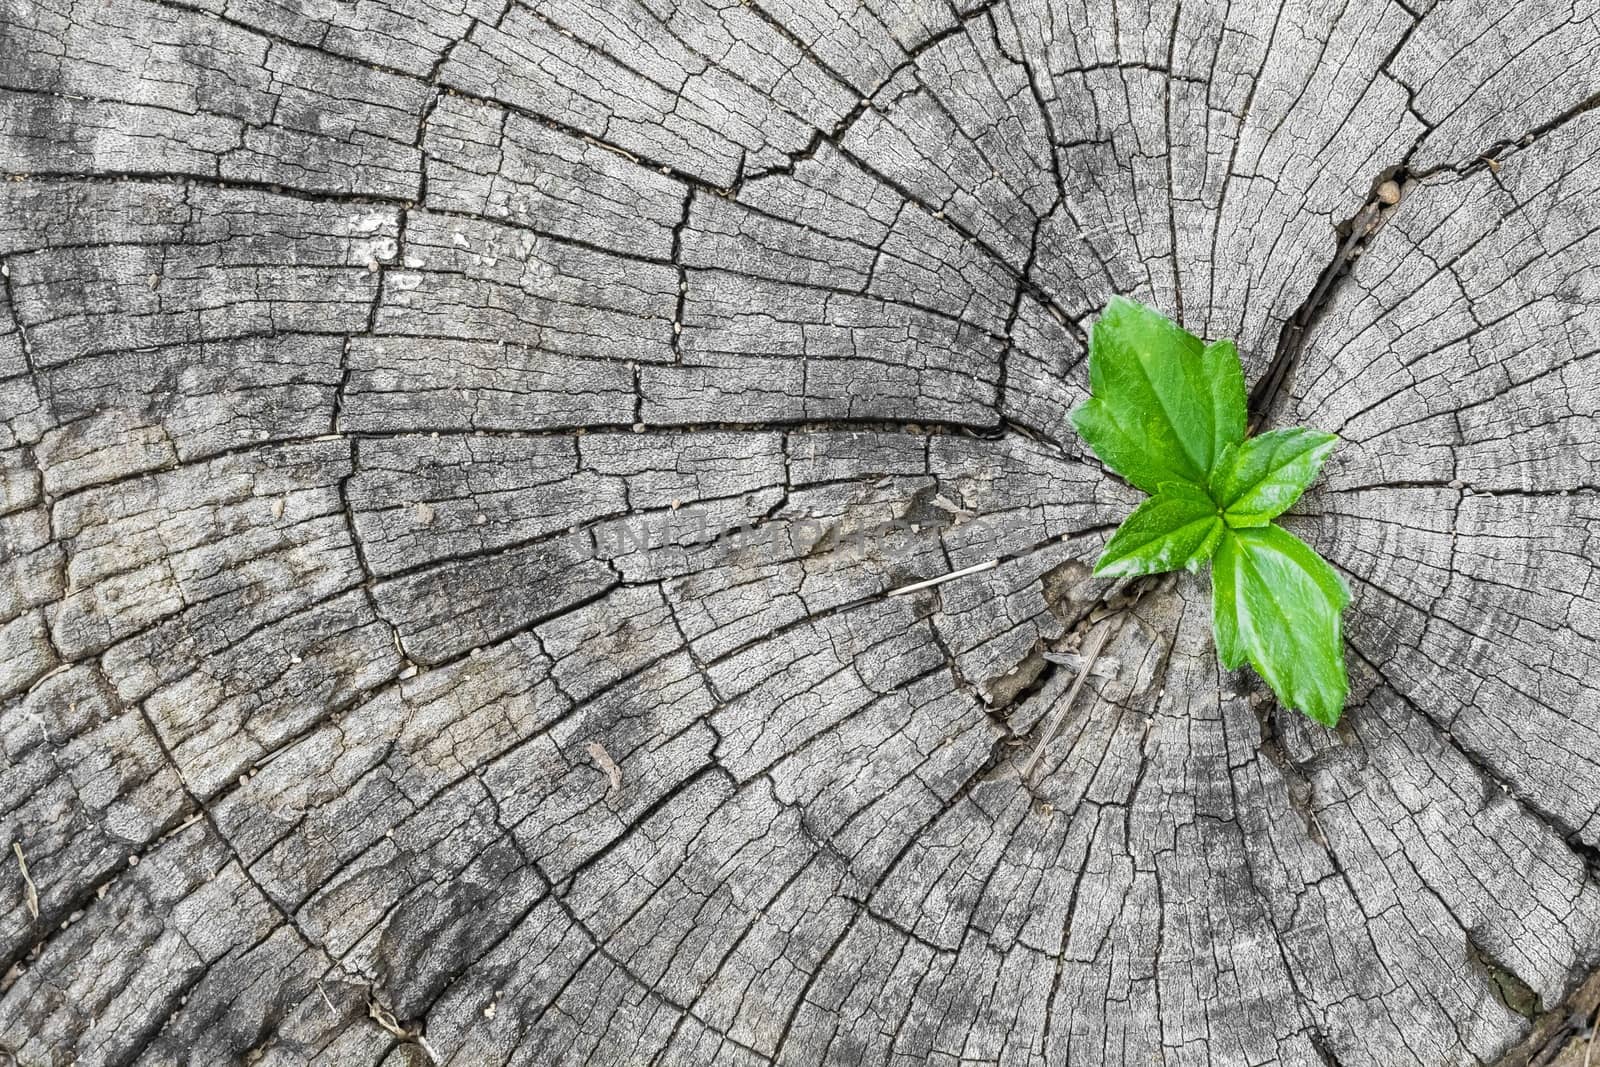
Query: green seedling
(1167, 412)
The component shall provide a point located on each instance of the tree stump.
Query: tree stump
(455, 462)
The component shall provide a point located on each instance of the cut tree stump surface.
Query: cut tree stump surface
(347, 718)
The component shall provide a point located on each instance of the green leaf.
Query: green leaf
(1224, 611)
(1225, 380)
(1278, 603)
(1258, 481)
(1125, 451)
(1164, 404)
(1178, 527)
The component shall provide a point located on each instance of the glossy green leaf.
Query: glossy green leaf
(1224, 613)
(1164, 404)
(1278, 603)
(1258, 481)
(1126, 451)
(1178, 527)
(1224, 376)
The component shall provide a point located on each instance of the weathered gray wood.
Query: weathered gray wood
(347, 720)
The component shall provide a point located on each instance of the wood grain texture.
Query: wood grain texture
(349, 718)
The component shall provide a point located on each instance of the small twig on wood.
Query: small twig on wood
(944, 503)
(929, 583)
(1091, 652)
(629, 156)
(47, 675)
(386, 1020)
(30, 892)
(1106, 668)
